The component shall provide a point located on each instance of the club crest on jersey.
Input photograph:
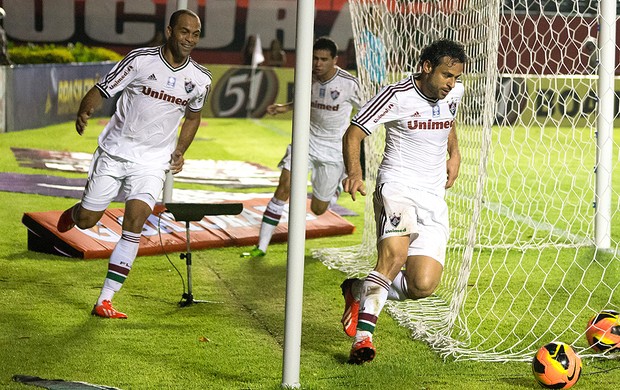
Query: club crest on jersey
(334, 94)
(436, 111)
(171, 82)
(189, 86)
(395, 219)
(452, 107)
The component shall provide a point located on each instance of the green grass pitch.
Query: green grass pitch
(235, 342)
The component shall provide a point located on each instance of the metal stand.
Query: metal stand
(188, 297)
(195, 212)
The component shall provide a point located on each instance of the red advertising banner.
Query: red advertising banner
(122, 25)
(162, 234)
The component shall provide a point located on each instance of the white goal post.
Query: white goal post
(534, 250)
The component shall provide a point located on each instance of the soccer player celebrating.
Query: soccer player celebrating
(410, 211)
(334, 94)
(160, 86)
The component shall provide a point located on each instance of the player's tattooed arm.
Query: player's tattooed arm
(351, 142)
(454, 161)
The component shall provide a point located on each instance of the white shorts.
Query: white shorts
(108, 175)
(325, 175)
(402, 211)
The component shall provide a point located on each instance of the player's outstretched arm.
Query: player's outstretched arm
(351, 142)
(90, 102)
(274, 109)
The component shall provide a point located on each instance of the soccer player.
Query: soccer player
(334, 94)
(160, 86)
(410, 211)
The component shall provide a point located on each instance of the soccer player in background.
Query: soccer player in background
(410, 211)
(334, 94)
(159, 85)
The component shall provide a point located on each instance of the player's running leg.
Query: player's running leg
(119, 265)
(271, 218)
(374, 294)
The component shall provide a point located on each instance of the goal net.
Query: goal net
(522, 267)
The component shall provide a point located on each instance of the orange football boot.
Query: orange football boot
(362, 351)
(351, 308)
(106, 310)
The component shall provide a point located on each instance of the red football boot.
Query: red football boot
(106, 310)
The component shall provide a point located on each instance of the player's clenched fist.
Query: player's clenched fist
(82, 120)
(176, 162)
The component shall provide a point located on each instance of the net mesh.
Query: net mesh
(521, 268)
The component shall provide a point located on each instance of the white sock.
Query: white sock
(361, 335)
(398, 288)
(106, 293)
(271, 218)
(119, 265)
(373, 297)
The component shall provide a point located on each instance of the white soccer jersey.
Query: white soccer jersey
(417, 131)
(154, 98)
(330, 112)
